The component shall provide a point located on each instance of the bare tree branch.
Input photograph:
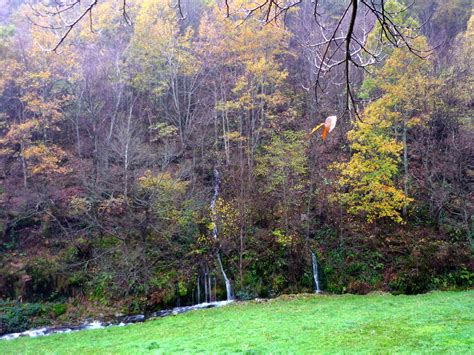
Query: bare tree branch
(340, 44)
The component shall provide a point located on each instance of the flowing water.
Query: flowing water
(314, 263)
(217, 182)
(121, 321)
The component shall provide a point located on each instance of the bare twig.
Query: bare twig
(340, 46)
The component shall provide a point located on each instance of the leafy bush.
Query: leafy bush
(18, 317)
(59, 309)
(245, 294)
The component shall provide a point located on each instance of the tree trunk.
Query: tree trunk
(405, 168)
(23, 166)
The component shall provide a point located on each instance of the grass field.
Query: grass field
(434, 322)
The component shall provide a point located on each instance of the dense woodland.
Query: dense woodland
(110, 144)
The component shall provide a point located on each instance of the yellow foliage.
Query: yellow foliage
(161, 182)
(368, 181)
(44, 159)
(251, 50)
(158, 48)
(235, 136)
(79, 205)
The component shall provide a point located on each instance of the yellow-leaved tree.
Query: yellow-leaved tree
(37, 86)
(371, 183)
(163, 66)
(246, 57)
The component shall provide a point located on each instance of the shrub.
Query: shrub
(18, 317)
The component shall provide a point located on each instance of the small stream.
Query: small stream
(217, 183)
(314, 264)
(119, 322)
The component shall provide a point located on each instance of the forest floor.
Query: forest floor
(378, 323)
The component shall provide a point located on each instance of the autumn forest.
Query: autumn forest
(157, 153)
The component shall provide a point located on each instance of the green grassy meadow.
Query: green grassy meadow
(434, 322)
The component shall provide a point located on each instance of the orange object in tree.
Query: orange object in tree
(328, 125)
